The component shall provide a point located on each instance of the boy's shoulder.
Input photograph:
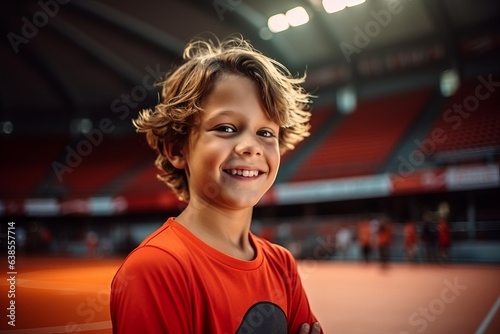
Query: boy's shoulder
(160, 248)
(274, 252)
(165, 239)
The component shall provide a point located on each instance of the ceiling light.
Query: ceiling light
(277, 23)
(332, 6)
(346, 99)
(297, 16)
(6, 127)
(80, 125)
(352, 3)
(449, 82)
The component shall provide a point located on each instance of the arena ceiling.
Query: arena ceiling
(85, 59)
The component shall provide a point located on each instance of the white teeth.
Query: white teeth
(244, 172)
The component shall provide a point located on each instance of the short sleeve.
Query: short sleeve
(300, 311)
(150, 294)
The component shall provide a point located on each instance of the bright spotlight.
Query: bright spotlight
(332, 6)
(297, 16)
(277, 23)
(352, 3)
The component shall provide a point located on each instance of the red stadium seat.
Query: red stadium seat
(365, 138)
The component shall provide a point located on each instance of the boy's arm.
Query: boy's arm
(149, 294)
(302, 318)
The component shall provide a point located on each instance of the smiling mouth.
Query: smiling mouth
(243, 172)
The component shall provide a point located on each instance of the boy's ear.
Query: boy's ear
(175, 154)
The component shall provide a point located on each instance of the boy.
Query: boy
(226, 116)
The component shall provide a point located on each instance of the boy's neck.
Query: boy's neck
(225, 230)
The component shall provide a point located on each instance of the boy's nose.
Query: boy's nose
(248, 145)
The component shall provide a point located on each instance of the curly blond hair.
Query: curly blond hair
(186, 88)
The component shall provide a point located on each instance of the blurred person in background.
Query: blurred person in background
(384, 242)
(443, 232)
(410, 240)
(428, 237)
(365, 239)
(343, 240)
(92, 243)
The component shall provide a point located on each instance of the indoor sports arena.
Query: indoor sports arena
(390, 205)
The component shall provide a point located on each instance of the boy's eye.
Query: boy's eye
(265, 133)
(225, 128)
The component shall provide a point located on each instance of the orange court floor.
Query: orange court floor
(71, 295)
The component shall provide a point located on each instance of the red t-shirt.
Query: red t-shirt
(175, 283)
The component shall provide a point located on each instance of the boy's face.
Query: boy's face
(232, 156)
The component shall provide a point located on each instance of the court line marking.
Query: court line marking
(63, 329)
(486, 321)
